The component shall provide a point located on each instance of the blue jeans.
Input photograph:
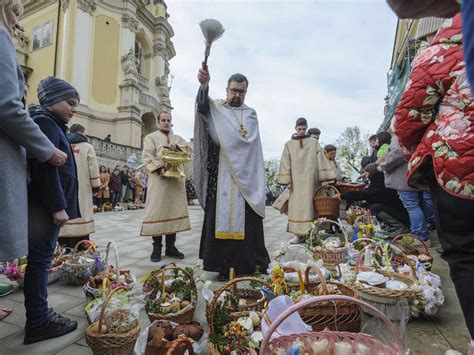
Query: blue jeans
(428, 208)
(42, 238)
(411, 202)
(123, 191)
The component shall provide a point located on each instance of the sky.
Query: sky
(325, 60)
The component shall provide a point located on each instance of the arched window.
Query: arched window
(139, 56)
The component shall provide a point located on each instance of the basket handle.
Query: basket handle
(104, 306)
(403, 255)
(230, 284)
(321, 277)
(326, 187)
(329, 298)
(367, 214)
(168, 267)
(117, 274)
(320, 221)
(398, 237)
(379, 244)
(181, 340)
(74, 251)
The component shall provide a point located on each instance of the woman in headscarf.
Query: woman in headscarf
(17, 132)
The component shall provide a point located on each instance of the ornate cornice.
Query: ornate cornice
(88, 6)
(32, 7)
(141, 3)
(130, 22)
(65, 4)
(164, 48)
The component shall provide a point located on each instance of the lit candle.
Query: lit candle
(300, 279)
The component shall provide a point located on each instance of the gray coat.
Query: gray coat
(17, 132)
(395, 168)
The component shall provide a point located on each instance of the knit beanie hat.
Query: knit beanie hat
(53, 90)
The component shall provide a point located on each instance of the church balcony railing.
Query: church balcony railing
(111, 151)
(143, 82)
(148, 101)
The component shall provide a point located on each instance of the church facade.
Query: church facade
(116, 53)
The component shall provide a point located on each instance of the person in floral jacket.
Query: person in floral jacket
(434, 124)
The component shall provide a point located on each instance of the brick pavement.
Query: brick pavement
(428, 335)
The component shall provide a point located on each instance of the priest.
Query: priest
(304, 166)
(230, 180)
(166, 211)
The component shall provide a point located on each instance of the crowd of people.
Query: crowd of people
(420, 176)
(121, 185)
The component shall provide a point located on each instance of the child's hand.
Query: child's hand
(60, 218)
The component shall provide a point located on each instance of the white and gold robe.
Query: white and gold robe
(337, 170)
(304, 165)
(88, 177)
(166, 210)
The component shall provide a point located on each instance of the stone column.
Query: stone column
(64, 38)
(81, 70)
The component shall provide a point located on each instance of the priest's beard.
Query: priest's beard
(236, 102)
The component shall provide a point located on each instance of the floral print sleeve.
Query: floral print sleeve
(428, 82)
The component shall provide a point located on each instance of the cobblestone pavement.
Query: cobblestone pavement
(433, 335)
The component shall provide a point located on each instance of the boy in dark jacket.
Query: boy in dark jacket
(52, 201)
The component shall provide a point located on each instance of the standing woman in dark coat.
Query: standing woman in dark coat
(52, 201)
(17, 132)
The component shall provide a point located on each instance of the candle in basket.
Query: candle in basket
(367, 258)
(300, 279)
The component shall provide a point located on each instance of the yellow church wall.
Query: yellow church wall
(41, 59)
(105, 63)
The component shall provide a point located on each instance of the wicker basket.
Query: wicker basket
(184, 315)
(231, 286)
(337, 315)
(269, 345)
(381, 297)
(330, 257)
(240, 351)
(94, 292)
(180, 345)
(415, 250)
(111, 344)
(54, 274)
(327, 205)
(78, 274)
(107, 207)
(350, 186)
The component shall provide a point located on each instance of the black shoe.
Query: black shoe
(172, 252)
(156, 254)
(222, 278)
(56, 327)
